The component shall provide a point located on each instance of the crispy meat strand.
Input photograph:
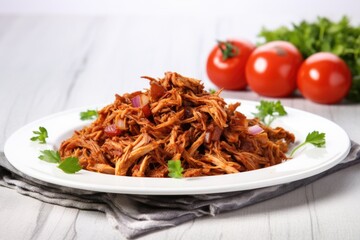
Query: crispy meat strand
(179, 120)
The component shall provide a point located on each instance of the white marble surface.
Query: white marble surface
(52, 63)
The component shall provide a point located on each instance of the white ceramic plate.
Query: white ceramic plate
(23, 155)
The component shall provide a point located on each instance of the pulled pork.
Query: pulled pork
(175, 119)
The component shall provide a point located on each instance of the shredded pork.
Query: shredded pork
(175, 119)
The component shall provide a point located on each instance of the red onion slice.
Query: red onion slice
(207, 137)
(136, 101)
(112, 130)
(121, 124)
(142, 101)
(255, 129)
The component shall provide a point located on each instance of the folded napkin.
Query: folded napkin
(135, 215)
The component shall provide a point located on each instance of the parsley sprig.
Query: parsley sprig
(212, 91)
(50, 156)
(68, 165)
(315, 138)
(269, 110)
(40, 135)
(175, 169)
(89, 114)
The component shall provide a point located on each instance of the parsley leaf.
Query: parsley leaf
(269, 110)
(70, 165)
(175, 169)
(42, 134)
(50, 156)
(315, 138)
(212, 91)
(89, 115)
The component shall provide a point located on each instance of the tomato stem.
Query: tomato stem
(227, 49)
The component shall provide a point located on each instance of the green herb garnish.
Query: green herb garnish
(68, 165)
(175, 169)
(315, 138)
(50, 156)
(89, 115)
(324, 35)
(41, 135)
(269, 110)
(212, 91)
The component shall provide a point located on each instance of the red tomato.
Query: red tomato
(226, 64)
(324, 78)
(271, 69)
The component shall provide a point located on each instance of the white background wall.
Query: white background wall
(250, 15)
(267, 8)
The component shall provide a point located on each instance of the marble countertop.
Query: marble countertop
(53, 63)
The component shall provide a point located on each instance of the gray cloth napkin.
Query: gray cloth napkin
(135, 215)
